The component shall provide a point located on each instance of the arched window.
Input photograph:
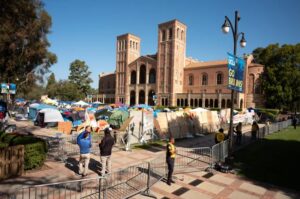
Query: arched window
(164, 35)
(166, 102)
(204, 79)
(251, 84)
(170, 33)
(182, 35)
(178, 33)
(133, 77)
(130, 46)
(191, 80)
(152, 76)
(241, 103)
(142, 74)
(219, 78)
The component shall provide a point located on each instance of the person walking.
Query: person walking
(254, 130)
(294, 122)
(220, 136)
(84, 141)
(170, 158)
(238, 131)
(105, 146)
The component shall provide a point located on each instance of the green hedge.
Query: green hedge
(35, 155)
(35, 148)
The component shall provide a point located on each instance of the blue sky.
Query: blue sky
(87, 29)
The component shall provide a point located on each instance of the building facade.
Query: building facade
(169, 78)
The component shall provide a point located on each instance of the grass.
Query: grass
(272, 160)
(157, 143)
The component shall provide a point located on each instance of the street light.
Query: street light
(226, 28)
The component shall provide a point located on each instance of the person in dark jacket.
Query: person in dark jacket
(84, 141)
(170, 159)
(254, 130)
(105, 146)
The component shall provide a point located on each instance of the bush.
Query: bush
(35, 148)
(35, 155)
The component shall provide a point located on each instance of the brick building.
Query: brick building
(170, 78)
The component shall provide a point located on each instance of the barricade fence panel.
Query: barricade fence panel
(189, 159)
(83, 188)
(220, 151)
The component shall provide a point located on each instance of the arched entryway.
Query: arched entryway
(216, 105)
(178, 102)
(142, 97)
(200, 102)
(228, 103)
(186, 102)
(181, 102)
(192, 102)
(132, 98)
(206, 102)
(196, 102)
(223, 105)
(150, 98)
(211, 103)
(142, 74)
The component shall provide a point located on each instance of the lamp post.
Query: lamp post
(226, 28)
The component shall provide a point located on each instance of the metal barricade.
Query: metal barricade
(219, 152)
(83, 188)
(192, 159)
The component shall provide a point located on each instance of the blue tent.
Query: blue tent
(34, 109)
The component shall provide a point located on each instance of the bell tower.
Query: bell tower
(171, 61)
(128, 50)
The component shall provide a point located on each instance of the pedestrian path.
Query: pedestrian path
(216, 185)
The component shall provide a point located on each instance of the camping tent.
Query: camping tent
(80, 103)
(35, 108)
(117, 118)
(51, 115)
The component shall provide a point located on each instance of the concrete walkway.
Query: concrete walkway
(188, 186)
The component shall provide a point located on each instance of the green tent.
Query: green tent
(117, 118)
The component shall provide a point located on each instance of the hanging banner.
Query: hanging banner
(12, 88)
(236, 68)
(4, 88)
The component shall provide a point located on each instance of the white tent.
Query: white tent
(81, 103)
(51, 115)
(97, 102)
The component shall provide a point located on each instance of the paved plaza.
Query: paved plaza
(192, 185)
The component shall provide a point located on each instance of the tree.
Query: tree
(68, 91)
(51, 88)
(80, 76)
(281, 77)
(24, 54)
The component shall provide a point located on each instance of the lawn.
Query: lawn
(273, 160)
